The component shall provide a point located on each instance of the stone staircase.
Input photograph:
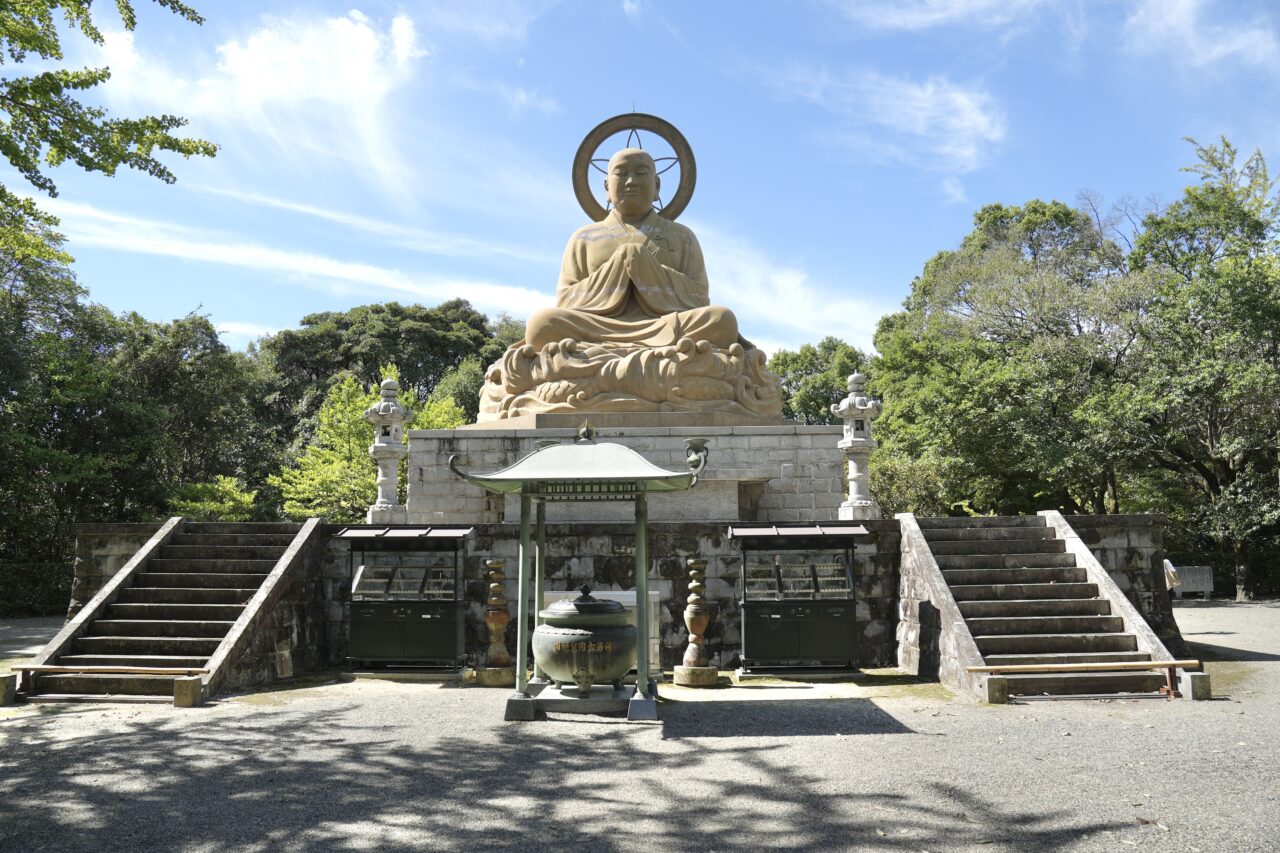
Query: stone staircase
(172, 615)
(1025, 601)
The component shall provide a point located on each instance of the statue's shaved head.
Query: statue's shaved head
(632, 183)
(628, 154)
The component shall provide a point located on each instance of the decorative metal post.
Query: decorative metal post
(695, 672)
(388, 417)
(858, 411)
(498, 671)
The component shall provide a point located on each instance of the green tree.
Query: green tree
(814, 377)
(426, 344)
(334, 477)
(461, 386)
(45, 124)
(1002, 360)
(221, 499)
(1202, 405)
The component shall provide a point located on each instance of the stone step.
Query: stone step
(168, 661)
(183, 612)
(969, 577)
(184, 595)
(145, 646)
(221, 552)
(985, 534)
(980, 521)
(103, 684)
(1021, 644)
(236, 566)
(241, 527)
(1004, 561)
(224, 580)
(987, 626)
(1022, 591)
(1084, 683)
(1036, 607)
(975, 547)
(159, 628)
(219, 540)
(1066, 657)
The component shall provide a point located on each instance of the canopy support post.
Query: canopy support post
(642, 705)
(539, 576)
(521, 705)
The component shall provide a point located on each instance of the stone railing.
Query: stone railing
(107, 593)
(281, 630)
(933, 640)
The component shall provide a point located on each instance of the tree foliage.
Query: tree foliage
(45, 125)
(334, 477)
(1053, 361)
(426, 345)
(814, 377)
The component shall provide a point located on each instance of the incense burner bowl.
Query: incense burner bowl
(585, 641)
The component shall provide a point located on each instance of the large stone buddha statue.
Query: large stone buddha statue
(633, 329)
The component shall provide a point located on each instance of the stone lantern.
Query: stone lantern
(858, 411)
(388, 417)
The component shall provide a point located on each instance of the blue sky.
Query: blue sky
(421, 151)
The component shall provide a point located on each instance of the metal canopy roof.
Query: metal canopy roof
(829, 532)
(585, 471)
(385, 533)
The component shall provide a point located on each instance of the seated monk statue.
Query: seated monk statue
(633, 329)
(633, 277)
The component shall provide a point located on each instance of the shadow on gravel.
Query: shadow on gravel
(340, 779)
(1208, 652)
(23, 638)
(779, 718)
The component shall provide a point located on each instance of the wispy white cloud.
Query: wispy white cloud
(487, 20)
(633, 8)
(934, 123)
(953, 190)
(1193, 34)
(926, 14)
(293, 80)
(780, 306)
(421, 240)
(89, 226)
(237, 335)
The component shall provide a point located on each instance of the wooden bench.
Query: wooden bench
(1170, 668)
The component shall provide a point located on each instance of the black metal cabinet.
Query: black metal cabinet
(407, 631)
(407, 607)
(798, 604)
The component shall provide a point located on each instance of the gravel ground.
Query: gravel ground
(882, 765)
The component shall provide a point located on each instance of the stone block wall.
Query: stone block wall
(1131, 549)
(603, 555)
(101, 551)
(754, 473)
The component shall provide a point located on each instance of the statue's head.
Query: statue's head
(632, 183)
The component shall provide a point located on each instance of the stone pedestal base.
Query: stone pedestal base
(859, 511)
(394, 514)
(775, 474)
(1195, 685)
(188, 692)
(696, 676)
(602, 699)
(496, 676)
